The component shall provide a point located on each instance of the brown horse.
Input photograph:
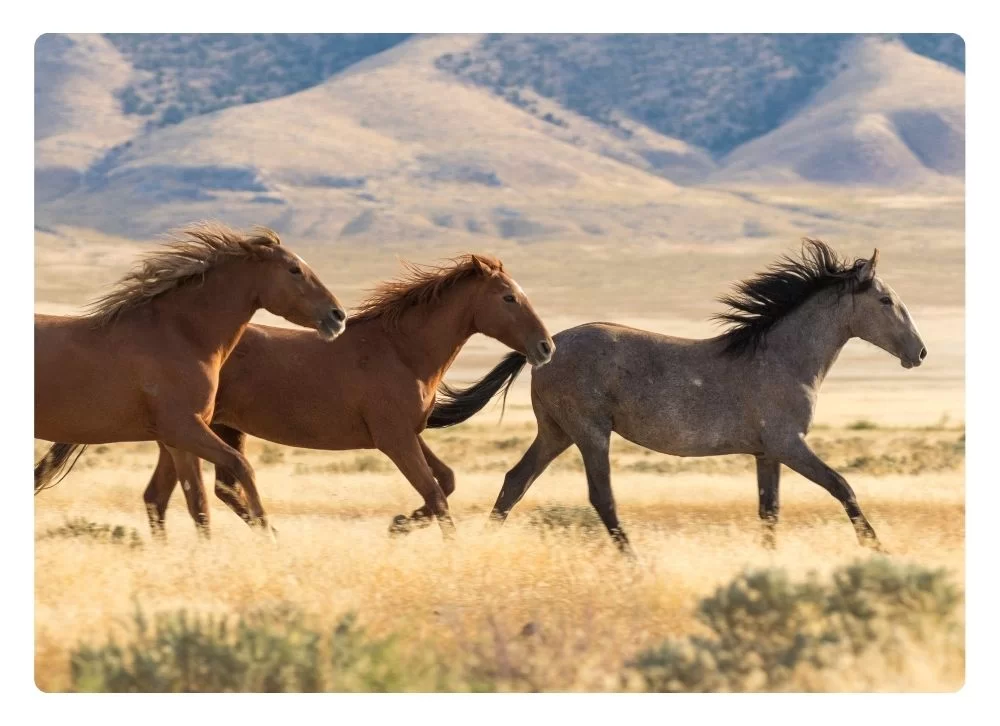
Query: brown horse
(376, 386)
(144, 363)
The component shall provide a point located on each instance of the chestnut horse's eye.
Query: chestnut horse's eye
(509, 298)
(295, 270)
(886, 300)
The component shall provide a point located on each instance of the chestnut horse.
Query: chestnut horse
(143, 364)
(373, 389)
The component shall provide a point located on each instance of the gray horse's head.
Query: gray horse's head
(881, 318)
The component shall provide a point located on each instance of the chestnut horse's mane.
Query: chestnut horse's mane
(420, 285)
(188, 255)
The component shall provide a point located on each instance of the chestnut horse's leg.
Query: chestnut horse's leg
(407, 453)
(188, 468)
(157, 494)
(445, 479)
(196, 438)
(227, 488)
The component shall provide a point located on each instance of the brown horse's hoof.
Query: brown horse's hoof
(400, 525)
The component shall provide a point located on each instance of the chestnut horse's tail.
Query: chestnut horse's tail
(455, 406)
(56, 462)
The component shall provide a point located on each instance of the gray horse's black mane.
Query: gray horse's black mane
(760, 302)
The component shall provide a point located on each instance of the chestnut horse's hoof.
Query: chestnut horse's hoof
(400, 525)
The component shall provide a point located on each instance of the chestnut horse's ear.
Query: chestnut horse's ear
(866, 269)
(481, 266)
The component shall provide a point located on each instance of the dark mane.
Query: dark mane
(420, 285)
(188, 255)
(760, 302)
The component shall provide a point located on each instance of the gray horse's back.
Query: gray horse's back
(674, 395)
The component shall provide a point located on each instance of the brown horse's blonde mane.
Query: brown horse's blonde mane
(422, 285)
(189, 253)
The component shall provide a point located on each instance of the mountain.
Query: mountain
(373, 139)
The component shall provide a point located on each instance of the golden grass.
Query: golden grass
(692, 522)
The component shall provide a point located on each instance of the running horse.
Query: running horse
(374, 389)
(751, 390)
(143, 363)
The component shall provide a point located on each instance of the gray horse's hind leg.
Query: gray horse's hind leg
(768, 476)
(597, 464)
(797, 455)
(550, 441)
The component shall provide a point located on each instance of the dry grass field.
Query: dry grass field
(545, 603)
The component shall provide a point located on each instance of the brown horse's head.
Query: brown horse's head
(881, 318)
(291, 289)
(503, 311)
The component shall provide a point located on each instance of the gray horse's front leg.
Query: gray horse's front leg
(768, 476)
(796, 455)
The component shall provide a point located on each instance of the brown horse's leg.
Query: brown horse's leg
(550, 441)
(227, 488)
(445, 479)
(188, 468)
(195, 437)
(797, 456)
(408, 456)
(157, 494)
(768, 476)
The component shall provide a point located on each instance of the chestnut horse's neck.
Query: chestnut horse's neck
(429, 337)
(213, 312)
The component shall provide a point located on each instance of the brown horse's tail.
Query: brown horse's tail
(56, 462)
(455, 406)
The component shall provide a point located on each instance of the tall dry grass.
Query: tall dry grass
(546, 600)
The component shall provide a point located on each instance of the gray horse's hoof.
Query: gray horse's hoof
(400, 525)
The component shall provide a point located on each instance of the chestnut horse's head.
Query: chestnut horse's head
(290, 288)
(503, 311)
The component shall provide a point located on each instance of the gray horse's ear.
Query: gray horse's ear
(866, 270)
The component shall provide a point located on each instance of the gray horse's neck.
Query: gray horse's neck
(807, 342)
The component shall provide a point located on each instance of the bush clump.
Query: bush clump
(269, 650)
(107, 533)
(768, 631)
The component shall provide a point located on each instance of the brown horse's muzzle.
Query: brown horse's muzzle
(332, 324)
(542, 353)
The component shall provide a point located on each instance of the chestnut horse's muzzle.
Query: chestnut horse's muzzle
(333, 324)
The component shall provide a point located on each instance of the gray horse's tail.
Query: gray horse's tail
(56, 462)
(455, 406)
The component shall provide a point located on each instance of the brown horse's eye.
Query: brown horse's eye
(296, 270)
(509, 298)
(886, 300)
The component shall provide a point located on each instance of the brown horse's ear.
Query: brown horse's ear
(481, 266)
(866, 269)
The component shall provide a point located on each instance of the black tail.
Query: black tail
(56, 462)
(455, 406)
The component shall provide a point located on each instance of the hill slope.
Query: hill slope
(890, 117)
(406, 145)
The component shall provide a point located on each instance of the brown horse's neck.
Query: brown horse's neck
(429, 337)
(809, 339)
(213, 312)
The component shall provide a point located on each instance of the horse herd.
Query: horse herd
(169, 355)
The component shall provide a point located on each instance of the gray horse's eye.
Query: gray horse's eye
(295, 270)
(886, 300)
(509, 298)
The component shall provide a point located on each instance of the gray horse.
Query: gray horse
(751, 390)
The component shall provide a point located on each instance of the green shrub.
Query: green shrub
(766, 628)
(564, 517)
(862, 425)
(107, 533)
(264, 651)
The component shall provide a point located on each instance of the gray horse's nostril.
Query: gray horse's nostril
(338, 315)
(923, 353)
(544, 348)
